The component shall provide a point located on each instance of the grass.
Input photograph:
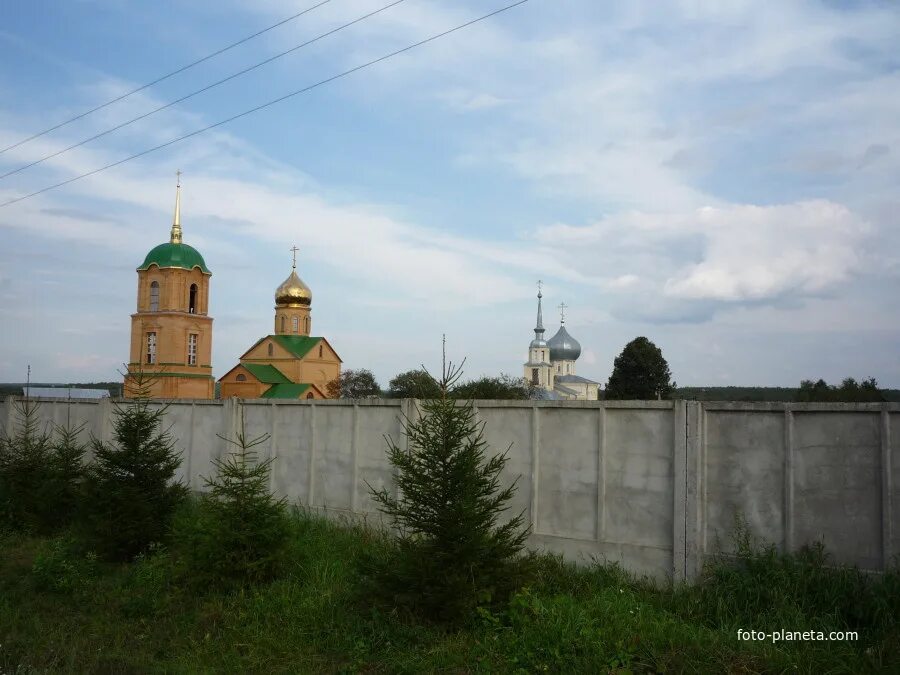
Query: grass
(63, 611)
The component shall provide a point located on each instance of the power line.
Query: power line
(200, 91)
(164, 77)
(269, 103)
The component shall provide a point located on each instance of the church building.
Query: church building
(551, 363)
(171, 331)
(289, 363)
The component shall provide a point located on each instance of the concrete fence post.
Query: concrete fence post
(104, 410)
(887, 490)
(313, 442)
(600, 534)
(354, 453)
(695, 502)
(788, 479)
(535, 464)
(680, 490)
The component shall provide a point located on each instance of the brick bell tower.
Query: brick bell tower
(171, 331)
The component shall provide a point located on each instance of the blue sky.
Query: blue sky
(718, 176)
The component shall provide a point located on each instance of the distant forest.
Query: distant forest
(787, 394)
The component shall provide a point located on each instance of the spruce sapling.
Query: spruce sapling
(452, 554)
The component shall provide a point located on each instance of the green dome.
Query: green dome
(175, 255)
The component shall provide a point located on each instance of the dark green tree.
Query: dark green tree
(640, 373)
(40, 473)
(414, 384)
(241, 531)
(354, 384)
(25, 486)
(849, 391)
(502, 387)
(452, 555)
(130, 490)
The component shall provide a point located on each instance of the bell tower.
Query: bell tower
(538, 370)
(171, 331)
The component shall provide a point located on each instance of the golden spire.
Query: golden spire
(176, 221)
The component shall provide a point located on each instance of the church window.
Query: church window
(151, 347)
(192, 349)
(241, 377)
(154, 296)
(271, 346)
(309, 395)
(534, 376)
(320, 351)
(558, 368)
(295, 324)
(307, 325)
(282, 326)
(192, 299)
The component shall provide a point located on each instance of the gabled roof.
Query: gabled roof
(298, 345)
(573, 379)
(564, 390)
(289, 390)
(266, 373)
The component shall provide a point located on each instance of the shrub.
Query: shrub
(130, 496)
(60, 566)
(452, 557)
(239, 534)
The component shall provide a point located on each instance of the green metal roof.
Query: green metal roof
(265, 373)
(175, 255)
(290, 390)
(298, 345)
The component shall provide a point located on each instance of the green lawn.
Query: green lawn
(61, 611)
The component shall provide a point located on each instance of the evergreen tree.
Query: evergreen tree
(130, 492)
(452, 555)
(640, 373)
(67, 472)
(241, 532)
(24, 472)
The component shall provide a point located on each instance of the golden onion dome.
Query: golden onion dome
(293, 292)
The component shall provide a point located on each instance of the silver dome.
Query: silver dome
(563, 347)
(538, 343)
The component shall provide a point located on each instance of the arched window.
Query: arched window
(295, 324)
(282, 323)
(534, 376)
(241, 377)
(271, 346)
(309, 395)
(307, 325)
(154, 296)
(320, 351)
(192, 299)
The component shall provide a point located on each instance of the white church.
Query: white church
(551, 363)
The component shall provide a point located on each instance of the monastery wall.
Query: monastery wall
(655, 485)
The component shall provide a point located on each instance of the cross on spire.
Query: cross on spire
(540, 286)
(294, 250)
(562, 312)
(178, 176)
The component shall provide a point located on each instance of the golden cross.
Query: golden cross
(294, 250)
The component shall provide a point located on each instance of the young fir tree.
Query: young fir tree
(452, 554)
(130, 491)
(25, 488)
(67, 472)
(242, 531)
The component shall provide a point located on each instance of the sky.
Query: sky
(720, 177)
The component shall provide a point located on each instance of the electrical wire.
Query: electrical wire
(164, 77)
(202, 90)
(270, 103)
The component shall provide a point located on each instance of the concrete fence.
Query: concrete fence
(655, 485)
